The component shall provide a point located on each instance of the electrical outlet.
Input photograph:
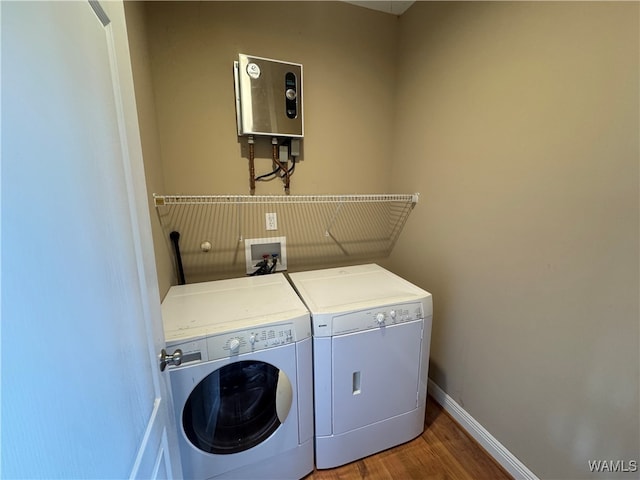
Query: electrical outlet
(271, 221)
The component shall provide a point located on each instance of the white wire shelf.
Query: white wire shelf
(319, 229)
(161, 200)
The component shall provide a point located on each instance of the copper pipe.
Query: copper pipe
(283, 167)
(252, 167)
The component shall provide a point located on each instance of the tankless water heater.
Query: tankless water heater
(268, 97)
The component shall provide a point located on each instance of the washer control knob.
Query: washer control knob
(234, 345)
(252, 339)
(392, 314)
(380, 318)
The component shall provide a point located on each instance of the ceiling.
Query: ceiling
(395, 7)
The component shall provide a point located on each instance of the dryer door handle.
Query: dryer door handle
(167, 359)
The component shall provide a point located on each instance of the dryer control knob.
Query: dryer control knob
(380, 318)
(234, 345)
(392, 314)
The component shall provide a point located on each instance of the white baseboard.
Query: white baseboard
(493, 447)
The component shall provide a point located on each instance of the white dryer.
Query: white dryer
(371, 336)
(243, 390)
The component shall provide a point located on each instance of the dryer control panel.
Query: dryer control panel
(235, 343)
(378, 317)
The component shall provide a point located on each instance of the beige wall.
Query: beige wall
(348, 54)
(349, 70)
(518, 122)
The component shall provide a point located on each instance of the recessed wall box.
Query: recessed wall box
(268, 97)
(256, 248)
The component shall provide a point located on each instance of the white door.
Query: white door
(82, 395)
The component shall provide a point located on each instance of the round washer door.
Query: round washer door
(237, 407)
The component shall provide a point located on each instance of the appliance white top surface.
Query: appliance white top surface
(203, 309)
(352, 288)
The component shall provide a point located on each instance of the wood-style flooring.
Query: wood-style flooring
(444, 452)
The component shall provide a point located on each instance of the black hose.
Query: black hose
(175, 237)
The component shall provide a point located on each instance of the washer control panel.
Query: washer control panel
(377, 317)
(236, 343)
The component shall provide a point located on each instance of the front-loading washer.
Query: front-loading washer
(371, 336)
(243, 390)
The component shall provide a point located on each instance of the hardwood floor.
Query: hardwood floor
(443, 452)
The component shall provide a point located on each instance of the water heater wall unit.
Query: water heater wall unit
(268, 97)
